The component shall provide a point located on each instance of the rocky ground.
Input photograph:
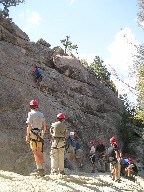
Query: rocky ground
(73, 181)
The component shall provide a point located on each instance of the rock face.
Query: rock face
(91, 108)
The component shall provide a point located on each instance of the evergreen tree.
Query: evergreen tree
(68, 46)
(140, 67)
(99, 69)
(9, 3)
(140, 83)
(141, 13)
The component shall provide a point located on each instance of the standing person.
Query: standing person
(58, 131)
(101, 150)
(36, 127)
(92, 156)
(71, 146)
(79, 153)
(114, 159)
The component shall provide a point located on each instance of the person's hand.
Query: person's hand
(119, 160)
(42, 135)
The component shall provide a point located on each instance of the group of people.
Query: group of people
(111, 159)
(97, 153)
(36, 128)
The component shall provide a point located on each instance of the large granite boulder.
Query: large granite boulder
(91, 108)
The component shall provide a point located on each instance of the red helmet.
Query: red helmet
(130, 159)
(35, 66)
(92, 142)
(33, 103)
(112, 140)
(60, 116)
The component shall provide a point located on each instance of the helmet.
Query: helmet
(71, 133)
(35, 66)
(33, 103)
(112, 140)
(92, 142)
(130, 159)
(99, 141)
(60, 116)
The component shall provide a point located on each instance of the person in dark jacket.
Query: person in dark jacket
(114, 159)
(37, 74)
(101, 150)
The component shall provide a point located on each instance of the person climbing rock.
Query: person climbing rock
(37, 74)
(36, 127)
(58, 131)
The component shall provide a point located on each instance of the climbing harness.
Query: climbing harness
(36, 132)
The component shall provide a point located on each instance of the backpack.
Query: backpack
(124, 161)
(111, 156)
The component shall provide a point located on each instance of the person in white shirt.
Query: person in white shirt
(92, 156)
(36, 127)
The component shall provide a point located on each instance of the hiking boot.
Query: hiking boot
(35, 173)
(118, 180)
(41, 172)
(113, 178)
(62, 172)
(54, 173)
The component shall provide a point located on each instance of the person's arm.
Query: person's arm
(117, 155)
(104, 150)
(52, 130)
(28, 133)
(44, 129)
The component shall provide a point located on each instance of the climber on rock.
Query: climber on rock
(37, 73)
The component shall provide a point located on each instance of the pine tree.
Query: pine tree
(68, 45)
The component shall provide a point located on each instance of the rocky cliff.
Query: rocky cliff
(91, 108)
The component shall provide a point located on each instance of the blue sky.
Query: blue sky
(98, 28)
